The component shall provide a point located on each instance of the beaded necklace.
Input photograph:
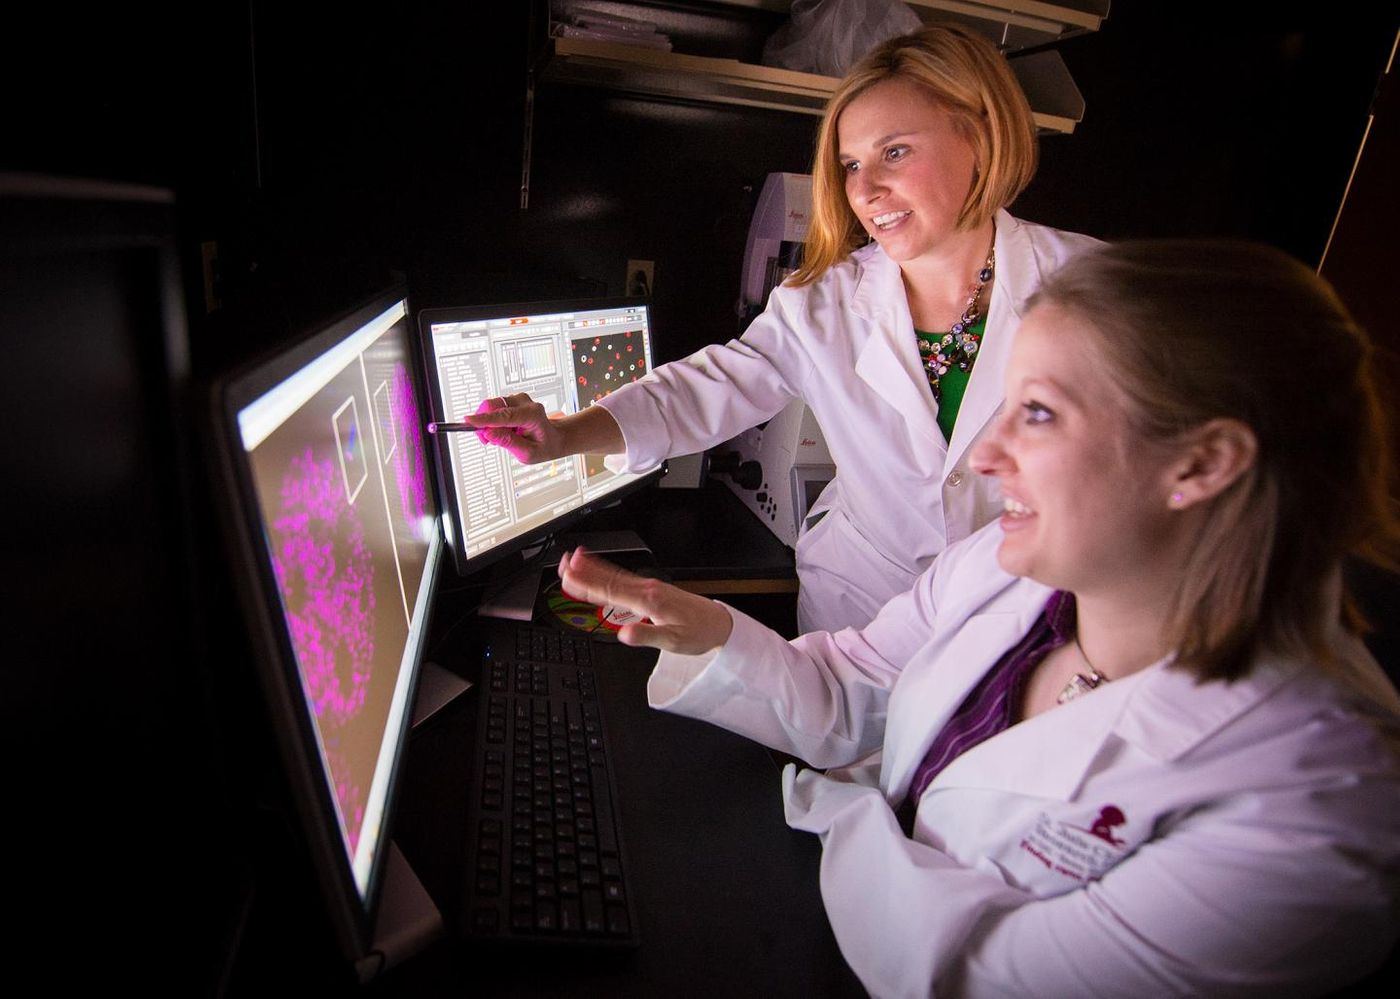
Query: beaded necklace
(958, 347)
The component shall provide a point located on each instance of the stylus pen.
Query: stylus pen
(450, 428)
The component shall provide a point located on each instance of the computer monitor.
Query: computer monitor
(333, 532)
(566, 355)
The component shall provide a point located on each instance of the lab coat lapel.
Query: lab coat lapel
(1172, 712)
(924, 700)
(1164, 712)
(888, 361)
(1017, 276)
(1046, 756)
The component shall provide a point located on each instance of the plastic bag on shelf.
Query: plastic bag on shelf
(830, 36)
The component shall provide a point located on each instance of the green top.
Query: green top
(954, 383)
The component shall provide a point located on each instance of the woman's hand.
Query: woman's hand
(677, 621)
(521, 426)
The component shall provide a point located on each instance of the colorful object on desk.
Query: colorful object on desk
(603, 621)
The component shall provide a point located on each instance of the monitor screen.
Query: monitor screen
(566, 356)
(335, 534)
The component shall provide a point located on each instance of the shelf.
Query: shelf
(1023, 29)
(653, 73)
(1055, 101)
(1058, 19)
(1013, 24)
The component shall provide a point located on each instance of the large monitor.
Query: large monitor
(566, 355)
(333, 530)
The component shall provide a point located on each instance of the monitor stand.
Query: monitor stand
(625, 548)
(514, 587)
(437, 688)
(408, 921)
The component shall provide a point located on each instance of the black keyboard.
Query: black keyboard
(546, 861)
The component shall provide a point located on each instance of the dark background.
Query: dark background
(314, 146)
(316, 149)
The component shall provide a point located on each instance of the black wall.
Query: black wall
(317, 148)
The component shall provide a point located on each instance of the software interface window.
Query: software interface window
(564, 361)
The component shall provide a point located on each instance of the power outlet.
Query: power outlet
(639, 283)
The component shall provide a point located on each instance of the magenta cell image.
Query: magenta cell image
(326, 577)
(410, 462)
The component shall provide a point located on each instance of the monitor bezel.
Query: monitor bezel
(353, 919)
(447, 494)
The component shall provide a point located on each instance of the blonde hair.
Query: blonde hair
(967, 76)
(1197, 330)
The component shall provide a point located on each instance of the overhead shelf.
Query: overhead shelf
(654, 73)
(1055, 101)
(1023, 29)
(1013, 24)
(1056, 20)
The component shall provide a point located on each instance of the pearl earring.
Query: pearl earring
(1178, 498)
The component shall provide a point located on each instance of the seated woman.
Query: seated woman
(1131, 744)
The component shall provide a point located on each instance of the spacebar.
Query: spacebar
(602, 807)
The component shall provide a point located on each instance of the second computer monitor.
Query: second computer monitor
(332, 535)
(566, 356)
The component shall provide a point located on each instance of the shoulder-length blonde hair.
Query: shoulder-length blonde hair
(1197, 330)
(968, 77)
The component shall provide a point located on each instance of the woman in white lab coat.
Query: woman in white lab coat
(1130, 743)
(921, 149)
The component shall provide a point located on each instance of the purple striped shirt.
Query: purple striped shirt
(987, 709)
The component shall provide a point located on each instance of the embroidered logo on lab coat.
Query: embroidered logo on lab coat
(1076, 852)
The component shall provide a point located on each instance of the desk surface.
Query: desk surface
(727, 895)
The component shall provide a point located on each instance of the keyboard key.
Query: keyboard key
(618, 924)
(593, 912)
(570, 916)
(602, 801)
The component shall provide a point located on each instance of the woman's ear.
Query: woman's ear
(1214, 455)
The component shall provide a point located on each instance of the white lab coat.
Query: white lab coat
(845, 345)
(1254, 850)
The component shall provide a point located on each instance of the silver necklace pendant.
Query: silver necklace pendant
(1081, 684)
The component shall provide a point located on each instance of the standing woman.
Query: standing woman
(895, 331)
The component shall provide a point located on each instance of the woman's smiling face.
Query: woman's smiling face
(1086, 499)
(908, 171)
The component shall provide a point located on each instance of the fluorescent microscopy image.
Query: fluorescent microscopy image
(410, 461)
(326, 576)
